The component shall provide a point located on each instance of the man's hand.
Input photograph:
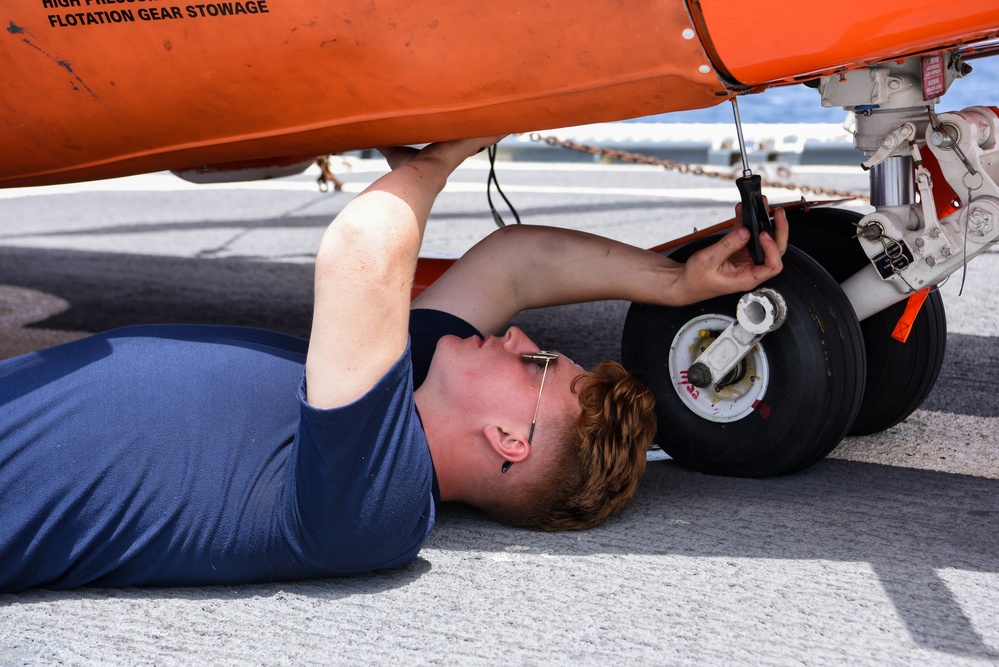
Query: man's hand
(726, 267)
(453, 152)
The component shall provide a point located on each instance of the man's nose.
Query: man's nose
(515, 340)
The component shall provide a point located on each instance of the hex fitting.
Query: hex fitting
(699, 375)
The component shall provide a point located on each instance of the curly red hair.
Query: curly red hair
(597, 459)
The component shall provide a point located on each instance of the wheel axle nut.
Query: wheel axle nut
(699, 375)
(979, 221)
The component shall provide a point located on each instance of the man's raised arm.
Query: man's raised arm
(364, 273)
(526, 266)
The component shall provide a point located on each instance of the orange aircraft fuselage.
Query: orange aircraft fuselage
(103, 88)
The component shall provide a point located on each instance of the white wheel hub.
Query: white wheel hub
(730, 402)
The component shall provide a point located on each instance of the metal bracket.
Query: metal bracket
(757, 314)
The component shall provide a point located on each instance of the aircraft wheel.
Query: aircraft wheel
(899, 375)
(788, 403)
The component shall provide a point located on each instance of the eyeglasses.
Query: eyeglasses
(536, 357)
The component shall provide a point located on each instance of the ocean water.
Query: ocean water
(799, 104)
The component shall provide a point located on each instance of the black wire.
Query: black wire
(491, 152)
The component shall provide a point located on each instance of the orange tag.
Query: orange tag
(904, 326)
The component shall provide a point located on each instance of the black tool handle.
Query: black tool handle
(755, 216)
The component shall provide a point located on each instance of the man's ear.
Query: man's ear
(511, 447)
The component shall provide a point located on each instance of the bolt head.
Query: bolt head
(699, 375)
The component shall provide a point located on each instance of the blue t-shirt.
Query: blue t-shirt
(187, 455)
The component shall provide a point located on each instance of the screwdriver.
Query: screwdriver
(755, 216)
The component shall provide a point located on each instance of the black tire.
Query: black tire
(899, 375)
(809, 378)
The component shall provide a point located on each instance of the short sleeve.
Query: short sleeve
(364, 478)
